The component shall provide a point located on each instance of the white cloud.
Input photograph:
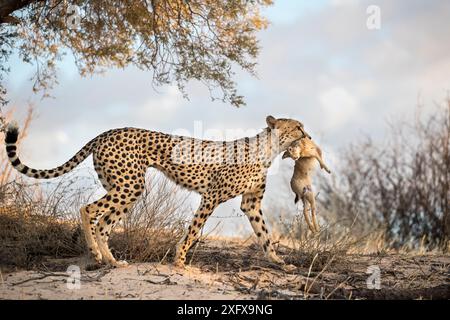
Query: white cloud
(338, 3)
(62, 137)
(338, 108)
(162, 106)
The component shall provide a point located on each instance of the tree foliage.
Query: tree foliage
(177, 40)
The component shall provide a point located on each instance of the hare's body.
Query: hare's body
(301, 184)
(305, 153)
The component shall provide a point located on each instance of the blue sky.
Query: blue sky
(319, 64)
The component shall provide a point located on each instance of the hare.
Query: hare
(305, 153)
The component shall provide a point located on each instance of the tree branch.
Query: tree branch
(9, 6)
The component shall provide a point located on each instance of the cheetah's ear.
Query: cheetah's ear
(271, 122)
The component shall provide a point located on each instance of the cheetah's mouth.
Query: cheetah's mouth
(287, 155)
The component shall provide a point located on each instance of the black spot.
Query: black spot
(16, 162)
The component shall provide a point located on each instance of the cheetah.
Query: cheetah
(305, 153)
(217, 170)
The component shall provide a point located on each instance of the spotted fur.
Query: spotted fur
(217, 170)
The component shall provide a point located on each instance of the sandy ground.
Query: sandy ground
(232, 271)
(137, 281)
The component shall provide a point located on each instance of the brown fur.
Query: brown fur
(305, 153)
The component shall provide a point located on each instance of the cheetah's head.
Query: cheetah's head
(287, 131)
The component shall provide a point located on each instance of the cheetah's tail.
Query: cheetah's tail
(11, 136)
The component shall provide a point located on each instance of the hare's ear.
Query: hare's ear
(285, 155)
(271, 122)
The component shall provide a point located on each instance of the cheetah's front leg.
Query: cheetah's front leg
(251, 206)
(207, 206)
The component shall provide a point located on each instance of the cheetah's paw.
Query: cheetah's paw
(120, 264)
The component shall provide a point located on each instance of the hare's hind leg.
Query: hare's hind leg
(306, 206)
(313, 213)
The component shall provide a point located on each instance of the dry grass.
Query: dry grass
(38, 224)
(28, 239)
(154, 226)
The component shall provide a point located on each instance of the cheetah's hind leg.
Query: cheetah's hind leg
(112, 207)
(97, 211)
(88, 222)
